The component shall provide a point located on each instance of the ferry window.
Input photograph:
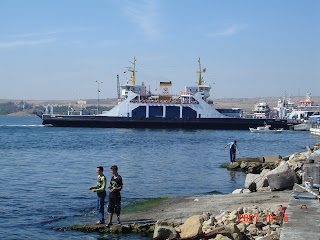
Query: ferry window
(139, 112)
(155, 111)
(188, 112)
(173, 112)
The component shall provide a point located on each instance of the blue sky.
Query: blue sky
(58, 49)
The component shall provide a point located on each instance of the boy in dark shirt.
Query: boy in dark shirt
(114, 204)
(100, 189)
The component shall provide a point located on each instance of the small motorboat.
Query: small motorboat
(265, 129)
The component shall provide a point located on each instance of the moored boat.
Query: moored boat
(305, 126)
(315, 127)
(261, 110)
(265, 129)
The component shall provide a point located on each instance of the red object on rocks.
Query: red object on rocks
(282, 211)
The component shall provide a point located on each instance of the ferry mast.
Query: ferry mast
(133, 71)
(200, 71)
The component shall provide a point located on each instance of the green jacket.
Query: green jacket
(101, 184)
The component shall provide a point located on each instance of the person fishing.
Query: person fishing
(114, 204)
(100, 189)
(233, 149)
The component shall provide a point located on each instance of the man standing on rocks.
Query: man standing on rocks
(100, 189)
(233, 149)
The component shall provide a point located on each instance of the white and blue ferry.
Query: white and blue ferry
(141, 108)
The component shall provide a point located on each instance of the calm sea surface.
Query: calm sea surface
(45, 171)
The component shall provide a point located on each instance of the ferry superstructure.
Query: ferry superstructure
(261, 110)
(139, 102)
(140, 108)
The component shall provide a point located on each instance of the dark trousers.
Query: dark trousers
(100, 208)
(232, 156)
(114, 205)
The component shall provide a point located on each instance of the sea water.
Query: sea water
(45, 172)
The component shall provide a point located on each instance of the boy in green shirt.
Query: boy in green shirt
(100, 189)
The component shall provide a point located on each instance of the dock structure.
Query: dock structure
(303, 218)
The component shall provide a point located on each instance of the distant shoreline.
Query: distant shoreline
(246, 104)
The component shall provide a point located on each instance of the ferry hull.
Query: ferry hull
(164, 123)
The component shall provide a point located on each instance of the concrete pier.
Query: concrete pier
(303, 219)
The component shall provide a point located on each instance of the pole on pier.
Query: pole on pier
(98, 96)
(118, 86)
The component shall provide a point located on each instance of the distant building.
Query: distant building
(23, 105)
(82, 102)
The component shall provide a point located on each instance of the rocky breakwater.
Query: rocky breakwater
(273, 172)
(243, 223)
(254, 165)
(145, 229)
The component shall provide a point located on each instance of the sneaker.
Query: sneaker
(100, 222)
(119, 222)
(109, 224)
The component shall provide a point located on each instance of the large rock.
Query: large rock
(282, 180)
(164, 230)
(255, 182)
(315, 156)
(295, 155)
(293, 162)
(250, 182)
(244, 165)
(205, 216)
(207, 229)
(209, 222)
(233, 216)
(271, 158)
(242, 227)
(233, 230)
(283, 166)
(233, 165)
(252, 229)
(315, 147)
(221, 237)
(282, 177)
(270, 165)
(305, 154)
(286, 158)
(192, 226)
(237, 191)
(265, 172)
(254, 167)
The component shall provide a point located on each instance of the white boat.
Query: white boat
(265, 129)
(315, 128)
(315, 131)
(305, 126)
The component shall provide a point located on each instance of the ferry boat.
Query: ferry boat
(140, 108)
(304, 110)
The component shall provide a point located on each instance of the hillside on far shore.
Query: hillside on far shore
(14, 107)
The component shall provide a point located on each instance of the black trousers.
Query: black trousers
(114, 205)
